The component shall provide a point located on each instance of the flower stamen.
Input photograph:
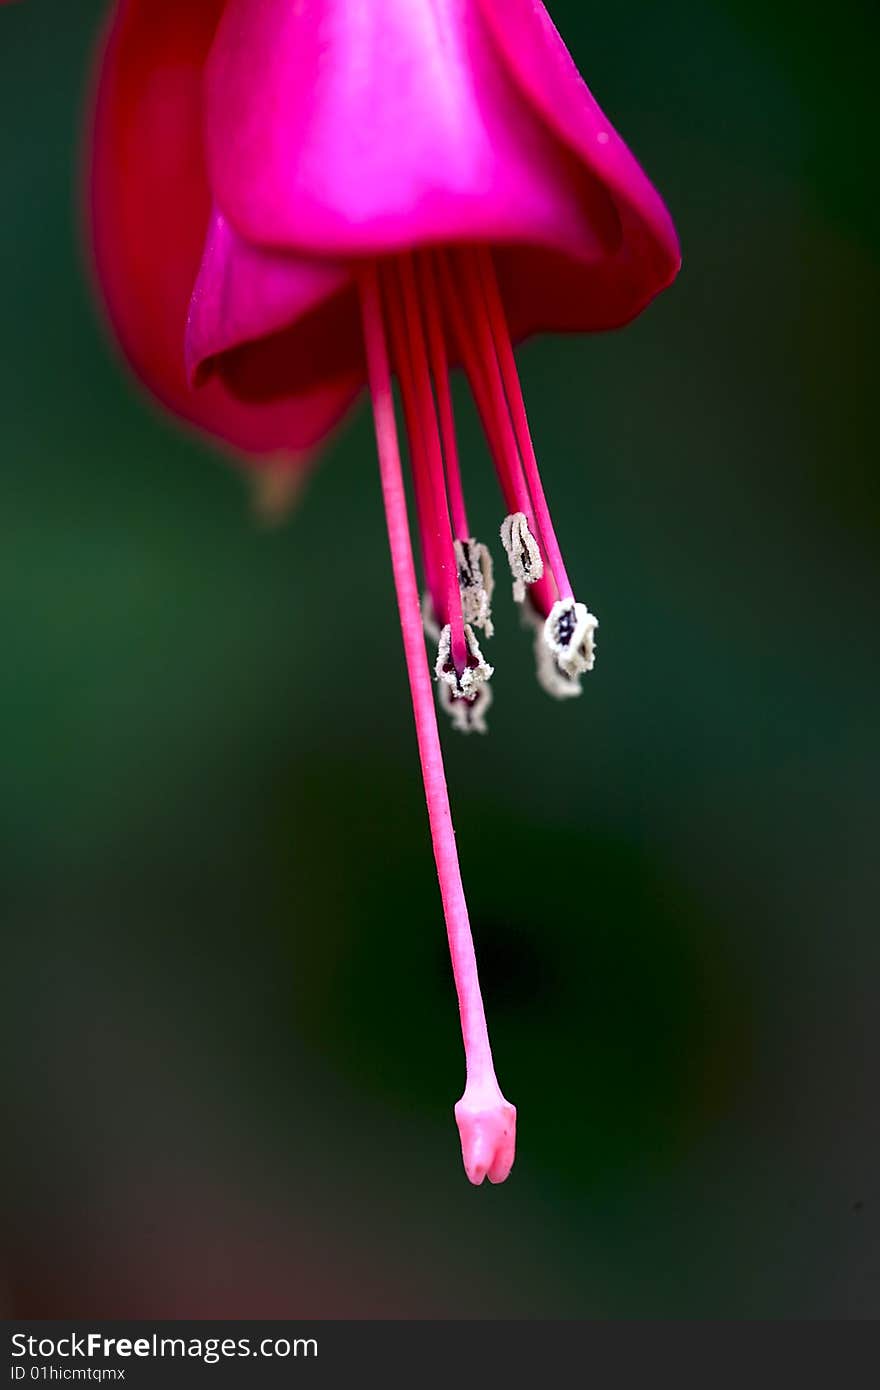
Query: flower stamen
(513, 391)
(467, 716)
(523, 554)
(476, 582)
(425, 405)
(474, 563)
(464, 684)
(475, 346)
(424, 495)
(569, 637)
(487, 384)
(440, 372)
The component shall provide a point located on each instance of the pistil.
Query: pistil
(486, 1121)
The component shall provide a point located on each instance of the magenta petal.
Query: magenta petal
(245, 292)
(336, 127)
(540, 63)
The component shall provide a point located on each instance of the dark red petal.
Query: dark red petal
(149, 205)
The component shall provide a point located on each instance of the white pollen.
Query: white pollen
(550, 675)
(569, 634)
(476, 581)
(475, 674)
(467, 716)
(524, 557)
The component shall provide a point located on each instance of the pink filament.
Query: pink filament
(481, 364)
(418, 455)
(513, 391)
(499, 431)
(440, 372)
(445, 553)
(478, 1053)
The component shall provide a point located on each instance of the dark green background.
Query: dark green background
(230, 1033)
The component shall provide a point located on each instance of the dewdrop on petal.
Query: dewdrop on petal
(526, 564)
(569, 637)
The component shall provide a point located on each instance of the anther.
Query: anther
(550, 675)
(467, 716)
(476, 580)
(523, 554)
(466, 683)
(569, 637)
(552, 679)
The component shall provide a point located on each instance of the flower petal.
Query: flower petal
(338, 128)
(271, 323)
(244, 292)
(149, 210)
(649, 255)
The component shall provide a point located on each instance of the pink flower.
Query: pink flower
(294, 198)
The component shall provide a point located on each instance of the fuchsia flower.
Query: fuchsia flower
(294, 198)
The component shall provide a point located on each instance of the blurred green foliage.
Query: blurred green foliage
(227, 996)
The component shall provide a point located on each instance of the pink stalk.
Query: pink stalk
(513, 391)
(486, 1122)
(503, 440)
(418, 454)
(481, 364)
(440, 371)
(431, 439)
